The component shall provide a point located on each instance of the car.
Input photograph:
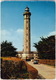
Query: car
(35, 62)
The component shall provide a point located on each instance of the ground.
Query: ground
(44, 71)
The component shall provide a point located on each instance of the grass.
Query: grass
(11, 58)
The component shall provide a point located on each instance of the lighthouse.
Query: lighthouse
(27, 40)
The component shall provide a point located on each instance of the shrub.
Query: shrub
(46, 48)
(13, 69)
(7, 49)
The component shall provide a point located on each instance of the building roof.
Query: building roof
(32, 52)
(26, 13)
(27, 9)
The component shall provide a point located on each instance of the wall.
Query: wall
(47, 61)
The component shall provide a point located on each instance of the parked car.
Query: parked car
(35, 62)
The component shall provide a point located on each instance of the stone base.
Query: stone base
(24, 56)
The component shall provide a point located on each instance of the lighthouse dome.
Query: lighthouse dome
(27, 9)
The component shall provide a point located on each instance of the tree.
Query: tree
(46, 48)
(7, 49)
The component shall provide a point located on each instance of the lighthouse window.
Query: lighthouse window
(26, 34)
(26, 40)
(26, 21)
(26, 27)
(26, 46)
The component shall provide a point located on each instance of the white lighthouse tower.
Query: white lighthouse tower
(27, 41)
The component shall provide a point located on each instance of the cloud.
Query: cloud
(14, 36)
(10, 33)
(19, 30)
(52, 33)
(4, 32)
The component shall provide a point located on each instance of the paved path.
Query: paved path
(47, 72)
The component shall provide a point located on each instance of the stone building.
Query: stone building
(33, 54)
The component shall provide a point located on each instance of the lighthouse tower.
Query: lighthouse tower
(27, 46)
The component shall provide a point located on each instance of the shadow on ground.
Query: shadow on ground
(40, 77)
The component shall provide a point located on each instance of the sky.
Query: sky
(12, 21)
